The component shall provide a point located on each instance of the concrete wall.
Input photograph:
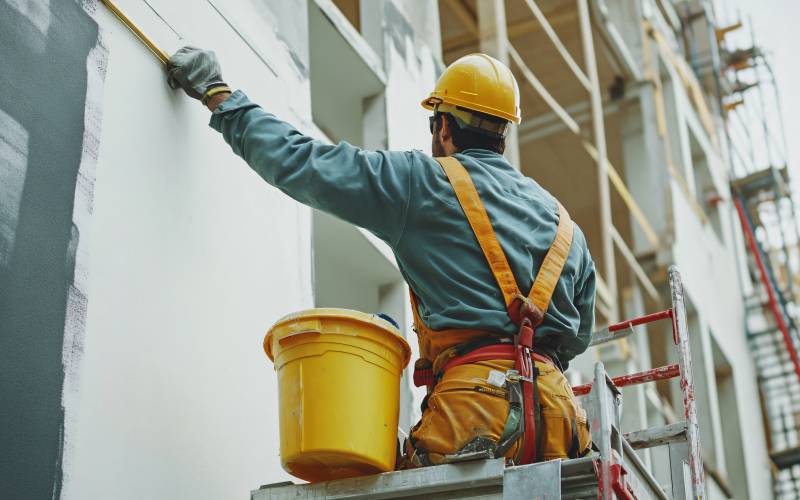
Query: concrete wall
(164, 390)
(193, 258)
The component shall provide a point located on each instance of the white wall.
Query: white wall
(193, 257)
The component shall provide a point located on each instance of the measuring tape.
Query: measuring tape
(160, 54)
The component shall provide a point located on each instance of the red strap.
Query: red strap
(619, 483)
(488, 353)
(423, 377)
(525, 367)
(524, 363)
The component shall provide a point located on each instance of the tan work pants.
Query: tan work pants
(465, 405)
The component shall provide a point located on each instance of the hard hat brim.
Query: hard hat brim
(431, 101)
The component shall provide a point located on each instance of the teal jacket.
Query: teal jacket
(405, 199)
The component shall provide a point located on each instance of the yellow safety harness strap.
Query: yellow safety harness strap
(553, 263)
(479, 221)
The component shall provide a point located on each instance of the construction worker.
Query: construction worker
(471, 236)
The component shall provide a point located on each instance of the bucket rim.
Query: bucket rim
(339, 313)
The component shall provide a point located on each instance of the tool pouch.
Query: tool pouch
(565, 430)
(466, 416)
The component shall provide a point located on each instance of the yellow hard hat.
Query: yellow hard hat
(479, 83)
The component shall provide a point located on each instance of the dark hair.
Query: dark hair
(464, 138)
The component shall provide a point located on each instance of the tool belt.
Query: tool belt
(476, 410)
(491, 349)
(521, 383)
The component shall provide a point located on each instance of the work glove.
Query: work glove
(197, 72)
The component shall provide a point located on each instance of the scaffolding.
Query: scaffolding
(493, 39)
(763, 196)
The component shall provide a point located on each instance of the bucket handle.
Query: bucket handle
(297, 334)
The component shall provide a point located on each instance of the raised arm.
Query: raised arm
(368, 188)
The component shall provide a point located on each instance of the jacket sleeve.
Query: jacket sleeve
(370, 189)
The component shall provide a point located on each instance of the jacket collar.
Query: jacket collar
(487, 156)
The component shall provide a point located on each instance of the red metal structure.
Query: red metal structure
(612, 473)
(772, 300)
(765, 208)
(660, 373)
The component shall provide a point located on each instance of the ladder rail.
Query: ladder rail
(683, 369)
(680, 332)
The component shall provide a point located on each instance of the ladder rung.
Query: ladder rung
(784, 459)
(774, 344)
(789, 374)
(775, 365)
(759, 333)
(656, 436)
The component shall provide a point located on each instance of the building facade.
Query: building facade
(150, 381)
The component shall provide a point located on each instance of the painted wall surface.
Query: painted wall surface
(411, 72)
(132, 362)
(52, 76)
(194, 258)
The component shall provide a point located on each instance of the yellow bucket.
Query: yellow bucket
(339, 392)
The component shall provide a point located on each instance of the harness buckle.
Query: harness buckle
(522, 308)
(514, 376)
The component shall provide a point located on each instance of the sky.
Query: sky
(777, 33)
(776, 30)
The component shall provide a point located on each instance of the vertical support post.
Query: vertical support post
(680, 476)
(375, 131)
(493, 40)
(609, 265)
(681, 337)
(761, 101)
(777, 93)
(602, 428)
(784, 244)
